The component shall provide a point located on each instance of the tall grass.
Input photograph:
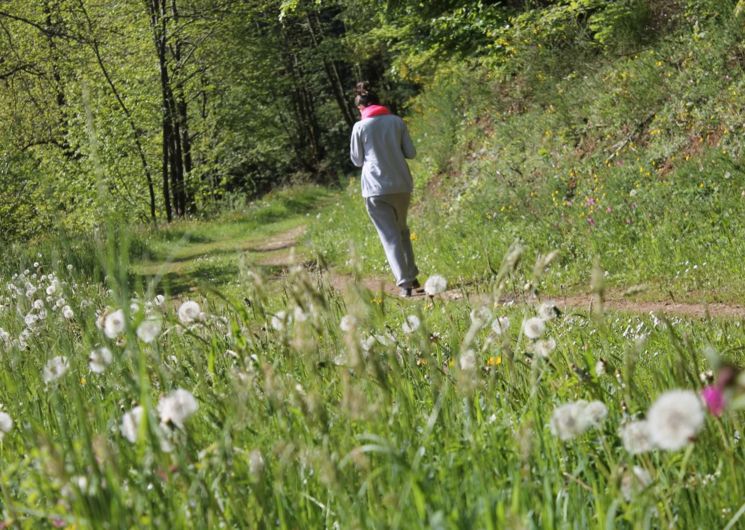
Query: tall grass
(300, 426)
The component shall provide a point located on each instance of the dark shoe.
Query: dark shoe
(405, 292)
(417, 286)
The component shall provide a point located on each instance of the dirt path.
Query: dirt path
(615, 301)
(280, 247)
(716, 310)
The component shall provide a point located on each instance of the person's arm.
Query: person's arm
(407, 146)
(356, 148)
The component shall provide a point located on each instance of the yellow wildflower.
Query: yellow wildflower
(494, 360)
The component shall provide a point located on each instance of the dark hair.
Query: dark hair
(364, 95)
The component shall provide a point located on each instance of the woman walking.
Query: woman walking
(380, 145)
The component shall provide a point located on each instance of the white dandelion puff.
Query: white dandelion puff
(675, 418)
(636, 437)
(411, 324)
(566, 421)
(367, 343)
(572, 419)
(159, 300)
(256, 463)
(55, 368)
(299, 315)
(189, 312)
(481, 317)
(68, 313)
(130, 425)
(548, 310)
(467, 360)
(435, 284)
(600, 368)
(348, 323)
(149, 329)
(176, 407)
(6, 424)
(544, 347)
(279, 320)
(114, 324)
(594, 413)
(500, 325)
(100, 359)
(534, 327)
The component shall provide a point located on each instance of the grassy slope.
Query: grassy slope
(401, 437)
(635, 161)
(187, 254)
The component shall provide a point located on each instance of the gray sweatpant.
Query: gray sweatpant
(388, 214)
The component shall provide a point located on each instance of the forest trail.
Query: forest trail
(283, 244)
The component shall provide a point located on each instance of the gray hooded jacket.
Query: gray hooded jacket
(380, 146)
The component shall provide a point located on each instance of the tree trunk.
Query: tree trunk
(332, 72)
(307, 142)
(136, 132)
(156, 9)
(59, 87)
(181, 123)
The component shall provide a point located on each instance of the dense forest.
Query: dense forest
(159, 109)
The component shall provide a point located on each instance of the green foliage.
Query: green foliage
(633, 160)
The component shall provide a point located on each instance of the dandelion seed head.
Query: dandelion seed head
(114, 324)
(600, 368)
(299, 315)
(149, 329)
(189, 312)
(481, 317)
(367, 343)
(566, 421)
(176, 407)
(68, 313)
(594, 413)
(572, 419)
(279, 320)
(6, 424)
(55, 368)
(435, 284)
(636, 437)
(544, 347)
(256, 463)
(130, 425)
(548, 310)
(348, 323)
(500, 325)
(534, 327)
(411, 324)
(467, 360)
(99, 359)
(675, 418)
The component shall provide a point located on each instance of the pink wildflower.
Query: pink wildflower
(713, 396)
